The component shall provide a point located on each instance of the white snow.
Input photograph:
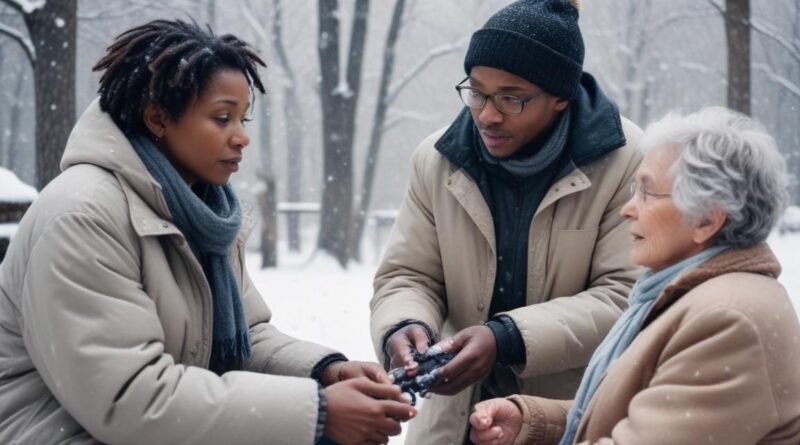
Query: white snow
(314, 299)
(28, 6)
(14, 190)
(7, 230)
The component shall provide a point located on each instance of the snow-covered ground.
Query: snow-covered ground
(316, 300)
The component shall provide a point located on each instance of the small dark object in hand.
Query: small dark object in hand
(427, 372)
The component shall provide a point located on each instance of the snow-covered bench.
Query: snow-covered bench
(15, 198)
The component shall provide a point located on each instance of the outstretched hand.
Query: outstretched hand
(399, 347)
(475, 351)
(363, 412)
(495, 422)
(341, 371)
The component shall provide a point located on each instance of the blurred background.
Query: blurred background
(355, 85)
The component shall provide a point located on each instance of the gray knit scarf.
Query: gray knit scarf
(640, 301)
(209, 217)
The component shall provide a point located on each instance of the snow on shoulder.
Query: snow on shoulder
(14, 190)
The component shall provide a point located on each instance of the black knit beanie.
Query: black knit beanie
(538, 40)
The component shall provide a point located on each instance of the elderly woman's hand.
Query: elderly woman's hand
(495, 422)
(340, 371)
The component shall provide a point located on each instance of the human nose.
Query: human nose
(489, 113)
(240, 138)
(628, 210)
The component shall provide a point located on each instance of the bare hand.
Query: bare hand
(363, 412)
(400, 344)
(476, 353)
(495, 422)
(341, 371)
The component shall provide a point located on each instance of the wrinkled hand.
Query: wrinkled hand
(400, 344)
(363, 412)
(495, 422)
(341, 371)
(476, 353)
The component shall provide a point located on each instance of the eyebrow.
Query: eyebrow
(231, 102)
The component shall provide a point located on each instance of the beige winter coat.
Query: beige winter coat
(105, 321)
(440, 269)
(717, 363)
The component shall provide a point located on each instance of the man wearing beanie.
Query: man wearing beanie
(509, 244)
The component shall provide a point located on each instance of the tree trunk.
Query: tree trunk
(269, 227)
(338, 124)
(14, 121)
(370, 167)
(294, 128)
(737, 31)
(267, 200)
(52, 31)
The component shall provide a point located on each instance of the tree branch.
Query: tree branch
(27, 45)
(13, 4)
(718, 6)
(433, 54)
(764, 29)
(777, 78)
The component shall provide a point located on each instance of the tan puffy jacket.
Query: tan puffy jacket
(440, 268)
(105, 320)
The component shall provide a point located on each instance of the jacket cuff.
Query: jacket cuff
(508, 340)
(543, 420)
(322, 414)
(326, 361)
(401, 325)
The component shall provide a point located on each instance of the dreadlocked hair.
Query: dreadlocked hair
(168, 63)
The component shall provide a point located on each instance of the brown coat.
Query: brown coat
(717, 362)
(440, 268)
(105, 320)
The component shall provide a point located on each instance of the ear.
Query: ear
(561, 104)
(709, 226)
(156, 120)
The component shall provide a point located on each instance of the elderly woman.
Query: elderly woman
(708, 350)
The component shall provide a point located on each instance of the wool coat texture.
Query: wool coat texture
(716, 362)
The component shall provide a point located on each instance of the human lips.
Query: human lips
(232, 163)
(494, 138)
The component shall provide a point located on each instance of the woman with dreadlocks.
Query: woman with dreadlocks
(126, 315)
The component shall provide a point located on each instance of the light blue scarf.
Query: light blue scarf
(210, 220)
(641, 299)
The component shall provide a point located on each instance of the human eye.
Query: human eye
(510, 100)
(245, 120)
(222, 119)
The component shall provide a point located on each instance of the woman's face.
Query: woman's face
(206, 142)
(661, 235)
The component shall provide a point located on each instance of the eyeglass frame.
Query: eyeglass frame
(486, 97)
(644, 193)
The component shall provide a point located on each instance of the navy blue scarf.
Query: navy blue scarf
(209, 217)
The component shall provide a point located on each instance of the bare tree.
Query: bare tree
(50, 48)
(737, 32)
(339, 98)
(267, 198)
(294, 125)
(376, 134)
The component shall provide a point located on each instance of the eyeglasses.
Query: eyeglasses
(504, 103)
(644, 193)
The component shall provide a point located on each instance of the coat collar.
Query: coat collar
(97, 140)
(757, 259)
(595, 129)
